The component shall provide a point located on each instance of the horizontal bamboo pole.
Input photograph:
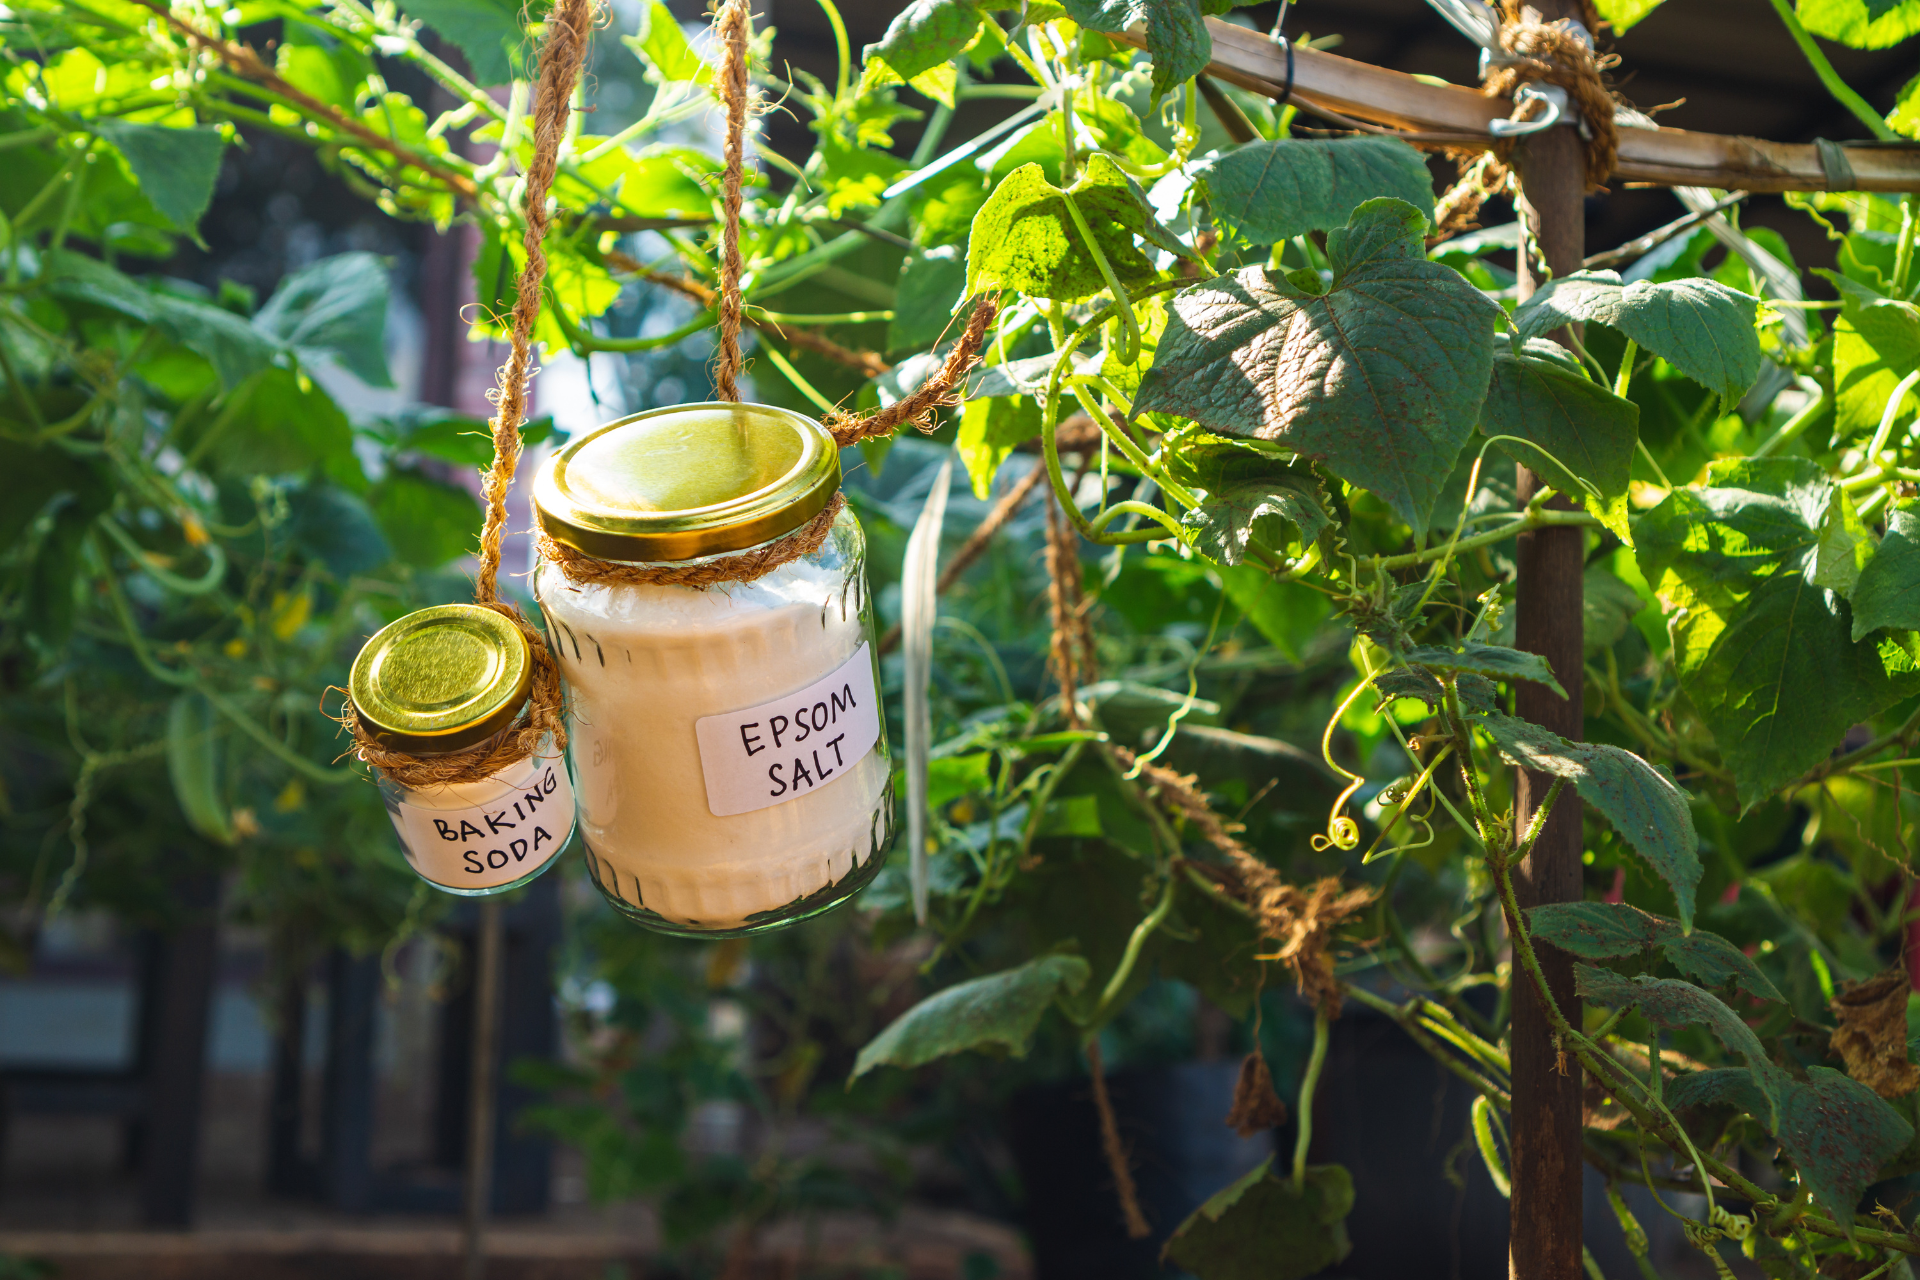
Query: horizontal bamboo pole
(1454, 115)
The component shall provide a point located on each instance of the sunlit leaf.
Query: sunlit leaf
(1271, 191)
(1765, 654)
(1379, 374)
(1641, 802)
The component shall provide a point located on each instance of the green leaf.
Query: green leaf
(1622, 14)
(1177, 37)
(1490, 660)
(55, 574)
(1288, 615)
(335, 309)
(1844, 548)
(1671, 1003)
(663, 47)
(654, 182)
(1643, 803)
(1861, 24)
(928, 293)
(1249, 493)
(33, 475)
(1541, 397)
(235, 348)
(1700, 327)
(924, 35)
(950, 777)
(1260, 1228)
(1766, 655)
(288, 425)
(426, 521)
(488, 32)
(1599, 930)
(1719, 1087)
(1838, 1132)
(990, 429)
(1476, 693)
(334, 73)
(176, 167)
(1024, 238)
(1379, 375)
(1000, 1009)
(1614, 931)
(1710, 959)
(1888, 593)
(1272, 191)
(335, 528)
(1905, 117)
(1876, 343)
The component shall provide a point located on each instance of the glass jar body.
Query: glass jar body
(486, 837)
(728, 748)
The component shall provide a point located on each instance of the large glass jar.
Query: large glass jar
(728, 745)
(454, 679)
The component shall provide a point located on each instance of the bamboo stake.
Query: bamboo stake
(1663, 157)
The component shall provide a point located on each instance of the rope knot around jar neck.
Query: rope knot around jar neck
(581, 569)
(542, 722)
(1559, 53)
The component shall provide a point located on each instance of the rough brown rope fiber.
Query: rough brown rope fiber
(582, 569)
(1301, 920)
(869, 363)
(1069, 658)
(916, 408)
(569, 28)
(730, 28)
(1556, 53)
(1116, 1152)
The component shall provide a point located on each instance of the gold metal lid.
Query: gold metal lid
(441, 679)
(687, 481)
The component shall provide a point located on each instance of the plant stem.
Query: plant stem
(1130, 957)
(1624, 378)
(1303, 1113)
(1539, 518)
(1842, 92)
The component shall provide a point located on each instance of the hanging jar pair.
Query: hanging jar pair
(704, 588)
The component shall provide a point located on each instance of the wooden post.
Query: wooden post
(1545, 1239)
(486, 1074)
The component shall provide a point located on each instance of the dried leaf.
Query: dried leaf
(1256, 1107)
(1872, 1036)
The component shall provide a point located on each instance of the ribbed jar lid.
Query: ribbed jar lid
(687, 481)
(441, 679)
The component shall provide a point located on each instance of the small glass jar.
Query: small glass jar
(442, 680)
(728, 745)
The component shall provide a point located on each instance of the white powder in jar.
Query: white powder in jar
(642, 665)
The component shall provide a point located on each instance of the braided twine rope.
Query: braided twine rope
(732, 27)
(569, 29)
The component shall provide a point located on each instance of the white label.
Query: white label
(792, 746)
(479, 840)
